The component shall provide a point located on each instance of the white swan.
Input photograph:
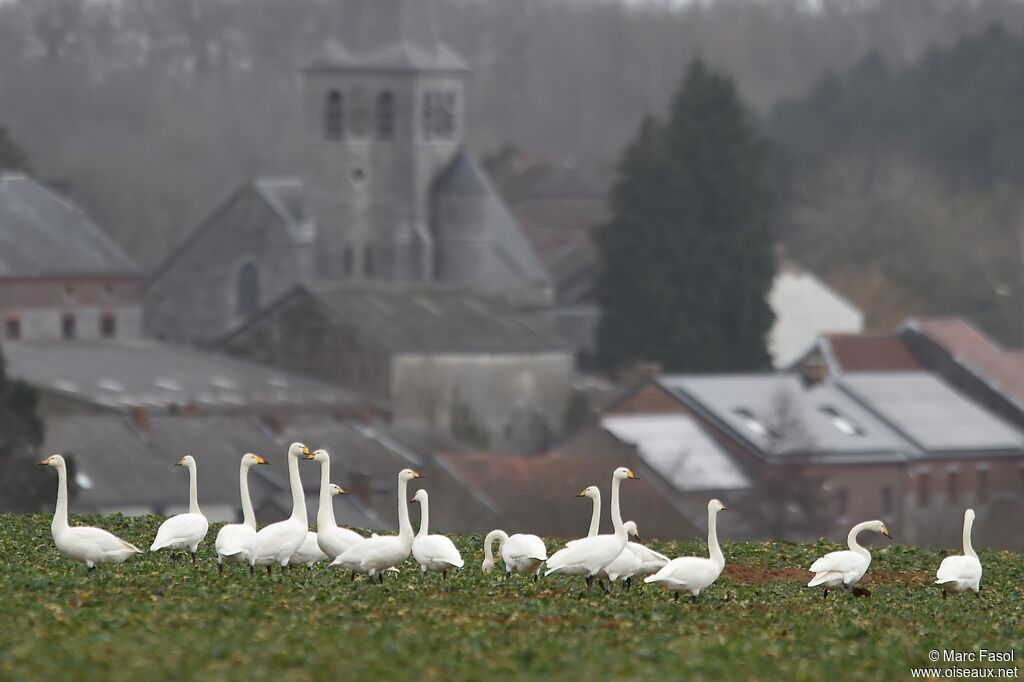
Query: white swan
(589, 555)
(375, 555)
(962, 572)
(627, 563)
(276, 543)
(332, 540)
(594, 493)
(184, 531)
(237, 541)
(83, 543)
(433, 552)
(521, 552)
(694, 574)
(844, 569)
(308, 553)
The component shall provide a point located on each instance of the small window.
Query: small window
(385, 116)
(952, 488)
(67, 326)
(982, 485)
(923, 489)
(334, 116)
(368, 264)
(108, 326)
(886, 500)
(248, 290)
(446, 124)
(12, 331)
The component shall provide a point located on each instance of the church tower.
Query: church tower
(384, 115)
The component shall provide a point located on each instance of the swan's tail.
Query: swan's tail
(824, 577)
(944, 581)
(230, 552)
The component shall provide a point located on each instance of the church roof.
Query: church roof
(462, 176)
(286, 198)
(44, 234)
(434, 319)
(389, 34)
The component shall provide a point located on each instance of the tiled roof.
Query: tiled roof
(43, 234)
(861, 353)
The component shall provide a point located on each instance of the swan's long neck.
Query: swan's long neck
(193, 495)
(713, 549)
(499, 535)
(851, 539)
(595, 518)
(60, 515)
(424, 517)
(325, 513)
(620, 531)
(298, 496)
(968, 547)
(248, 515)
(404, 527)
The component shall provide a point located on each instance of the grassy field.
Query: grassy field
(154, 620)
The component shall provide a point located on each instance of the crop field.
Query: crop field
(152, 619)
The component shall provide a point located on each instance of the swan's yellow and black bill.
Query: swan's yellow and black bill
(582, 493)
(341, 491)
(723, 505)
(260, 460)
(885, 532)
(305, 451)
(181, 461)
(46, 460)
(417, 474)
(632, 475)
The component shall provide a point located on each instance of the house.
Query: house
(477, 366)
(60, 276)
(388, 192)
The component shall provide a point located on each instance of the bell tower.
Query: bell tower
(384, 113)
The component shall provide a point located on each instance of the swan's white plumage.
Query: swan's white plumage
(961, 572)
(589, 555)
(627, 563)
(332, 539)
(432, 552)
(694, 574)
(308, 553)
(650, 561)
(845, 568)
(522, 553)
(184, 531)
(276, 543)
(83, 543)
(237, 541)
(376, 554)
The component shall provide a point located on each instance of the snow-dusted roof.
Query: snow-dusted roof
(805, 308)
(681, 451)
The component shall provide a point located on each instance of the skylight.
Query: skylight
(842, 424)
(750, 421)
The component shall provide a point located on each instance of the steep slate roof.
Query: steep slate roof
(776, 415)
(43, 234)
(680, 450)
(286, 198)
(436, 319)
(121, 374)
(931, 414)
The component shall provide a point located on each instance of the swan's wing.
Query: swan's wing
(840, 562)
(955, 568)
(437, 548)
(183, 528)
(308, 552)
(235, 538)
(103, 540)
(688, 572)
(592, 554)
(526, 546)
(646, 553)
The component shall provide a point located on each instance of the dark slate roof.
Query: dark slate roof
(142, 373)
(436, 319)
(462, 176)
(44, 234)
(389, 34)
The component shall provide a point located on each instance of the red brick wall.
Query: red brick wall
(68, 293)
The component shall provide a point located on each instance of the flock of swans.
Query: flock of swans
(612, 556)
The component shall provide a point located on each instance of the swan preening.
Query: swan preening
(845, 568)
(522, 553)
(433, 552)
(694, 574)
(589, 555)
(184, 531)
(83, 543)
(961, 572)
(375, 555)
(237, 541)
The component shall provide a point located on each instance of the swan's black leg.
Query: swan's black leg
(675, 596)
(252, 569)
(352, 578)
(824, 594)
(220, 568)
(270, 569)
(536, 577)
(369, 578)
(693, 599)
(444, 574)
(93, 568)
(193, 558)
(976, 594)
(590, 582)
(287, 568)
(946, 594)
(629, 583)
(604, 588)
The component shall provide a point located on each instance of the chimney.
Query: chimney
(140, 419)
(813, 371)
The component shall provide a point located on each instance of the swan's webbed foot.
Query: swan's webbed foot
(858, 591)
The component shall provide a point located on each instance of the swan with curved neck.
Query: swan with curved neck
(844, 569)
(87, 544)
(184, 531)
(961, 572)
(589, 555)
(375, 555)
(237, 541)
(433, 552)
(276, 543)
(694, 574)
(332, 539)
(522, 553)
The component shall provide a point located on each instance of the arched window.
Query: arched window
(334, 116)
(248, 290)
(385, 116)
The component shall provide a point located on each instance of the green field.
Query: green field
(151, 619)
